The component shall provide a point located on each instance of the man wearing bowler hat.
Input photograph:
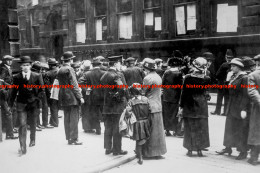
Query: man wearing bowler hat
(94, 98)
(7, 78)
(51, 75)
(114, 104)
(70, 98)
(27, 100)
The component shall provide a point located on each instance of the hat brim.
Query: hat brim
(62, 58)
(22, 62)
(237, 64)
(148, 68)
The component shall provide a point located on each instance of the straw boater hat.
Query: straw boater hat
(8, 57)
(238, 62)
(149, 64)
(200, 63)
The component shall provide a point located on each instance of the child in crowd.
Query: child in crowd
(139, 106)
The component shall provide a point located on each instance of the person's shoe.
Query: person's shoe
(180, 134)
(214, 113)
(122, 152)
(200, 153)
(224, 151)
(204, 149)
(32, 143)
(11, 137)
(253, 161)
(242, 156)
(223, 114)
(140, 162)
(15, 130)
(22, 151)
(74, 142)
(98, 132)
(159, 157)
(189, 153)
(108, 152)
(41, 127)
(49, 126)
(167, 133)
(38, 129)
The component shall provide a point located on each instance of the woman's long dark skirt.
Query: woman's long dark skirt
(170, 119)
(196, 134)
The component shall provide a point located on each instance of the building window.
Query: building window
(125, 19)
(101, 20)
(185, 18)
(79, 9)
(227, 18)
(80, 25)
(152, 18)
(80, 32)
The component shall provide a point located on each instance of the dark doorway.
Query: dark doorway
(57, 46)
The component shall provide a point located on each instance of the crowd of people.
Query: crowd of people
(146, 114)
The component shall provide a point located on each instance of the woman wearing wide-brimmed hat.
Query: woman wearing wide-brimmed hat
(237, 125)
(195, 109)
(155, 145)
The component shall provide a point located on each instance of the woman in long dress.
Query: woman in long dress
(195, 109)
(237, 125)
(155, 145)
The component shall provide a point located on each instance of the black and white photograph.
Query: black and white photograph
(123, 86)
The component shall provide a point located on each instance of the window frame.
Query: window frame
(79, 20)
(189, 33)
(152, 9)
(118, 14)
(96, 17)
(213, 18)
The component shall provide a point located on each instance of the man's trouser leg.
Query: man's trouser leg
(108, 122)
(71, 119)
(117, 138)
(7, 114)
(54, 120)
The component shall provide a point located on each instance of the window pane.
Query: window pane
(80, 32)
(125, 27)
(180, 20)
(101, 7)
(191, 17)
(152, 3)
(227, 18)
(101, 29)
(79, 9)
(124, 5)
(153, 23)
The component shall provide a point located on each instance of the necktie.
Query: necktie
(25, 76)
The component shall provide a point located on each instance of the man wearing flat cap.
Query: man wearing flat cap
(94, 98)
(70, 98)
(28, 99)
(7, 79)
(114, 104)
(132, 73)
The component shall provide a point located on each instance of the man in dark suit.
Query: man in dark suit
(51, 76)
(7, 79)
(114, 104)
(221, 76)
(133, 74)
(92, 112)
(70, 98)
(27, 100)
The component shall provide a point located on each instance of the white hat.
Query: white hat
(238, 62)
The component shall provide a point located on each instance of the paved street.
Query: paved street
(177, 161)
(52, 155)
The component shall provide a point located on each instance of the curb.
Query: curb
(112, 164)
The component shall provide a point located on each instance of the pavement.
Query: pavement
(52, 154)
(177, 161)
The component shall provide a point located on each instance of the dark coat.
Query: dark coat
(68, 96)
(27, 95)
(93, 77)
(172, 77)
(49, 78)
(254, 94)
(133, 75)
(238, 98)
(114, 98)
(222, 72)
(194, 100)
(6, 74)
